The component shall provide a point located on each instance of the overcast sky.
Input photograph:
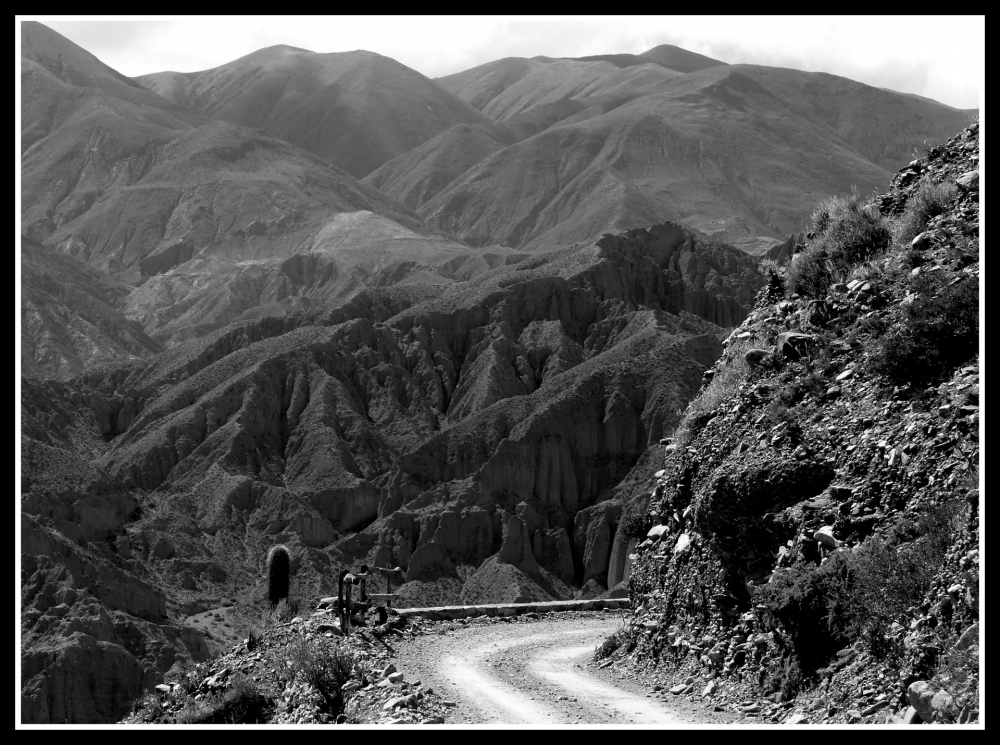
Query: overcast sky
(941, 57)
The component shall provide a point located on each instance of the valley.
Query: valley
(457, 326)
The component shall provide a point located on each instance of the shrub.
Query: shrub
(620, 638)
(937, 334)
(242, 703)
(857, 595)
(190, 681)
(847, 232)
(926, 201)
(811, 603)
(778, 413)
(786, 677)
(283, 612)
(325, 666)
(774, 279)
(887, 580)
(635, 522)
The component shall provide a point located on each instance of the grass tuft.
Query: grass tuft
(848, 231)
(927, 200)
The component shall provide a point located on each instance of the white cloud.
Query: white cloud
(941, 57)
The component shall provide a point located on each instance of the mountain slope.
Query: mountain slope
(418, 175)
(740, 151)
(71, 316)
(355, 110)
(61, 82)
(115, 183)
(203, 216)
(530, 95)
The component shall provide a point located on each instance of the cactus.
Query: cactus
(277, 574)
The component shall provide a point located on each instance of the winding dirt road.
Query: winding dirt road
(532, 673)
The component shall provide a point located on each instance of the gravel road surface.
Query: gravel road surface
(533, 673)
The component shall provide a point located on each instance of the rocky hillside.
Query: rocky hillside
(473, 434)
(809, 551)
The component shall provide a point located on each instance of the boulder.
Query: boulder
(920, 695)
(657, 531)
(592, 589)
(793, 345)
(619, 590)
(969, 638)
(943, 707)
(825, 536)
(967, 180)
(755, 357)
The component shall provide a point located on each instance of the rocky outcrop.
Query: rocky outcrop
(516, 546)
(619, 563)
(78, 680)
(593, 534)
(94, 633)
(821, 511)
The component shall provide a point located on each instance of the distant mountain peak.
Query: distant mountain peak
(679, 59)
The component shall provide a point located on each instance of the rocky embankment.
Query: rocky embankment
(303, 671)
(809, 551)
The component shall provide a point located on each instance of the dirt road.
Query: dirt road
(532, 673)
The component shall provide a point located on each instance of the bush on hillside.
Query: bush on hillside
(774, 279)
(938, 334)
(847, 232)
(635, 521)
(926, 201)
(811, 604)
(887, 580)
(325, 666)
(620, 638)
(857, 595)
(242, 703)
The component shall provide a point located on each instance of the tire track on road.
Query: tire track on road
(530, 674)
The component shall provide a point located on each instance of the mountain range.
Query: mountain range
(325, 301)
